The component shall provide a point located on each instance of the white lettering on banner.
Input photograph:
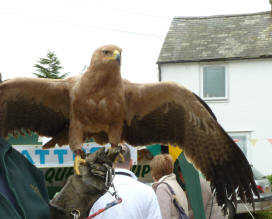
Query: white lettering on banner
(59, 156)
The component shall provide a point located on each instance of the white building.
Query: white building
(227, 61)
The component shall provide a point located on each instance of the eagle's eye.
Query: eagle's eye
(107, 52)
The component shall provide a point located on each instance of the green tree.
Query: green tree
(49, 67)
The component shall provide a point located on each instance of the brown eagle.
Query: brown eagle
(101, 105)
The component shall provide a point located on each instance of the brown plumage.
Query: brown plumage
(101, 105)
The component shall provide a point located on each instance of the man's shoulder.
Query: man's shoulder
(23, 165)
(143, 187)
(131, 185)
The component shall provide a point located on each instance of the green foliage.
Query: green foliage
(49, 67)
(258, 215)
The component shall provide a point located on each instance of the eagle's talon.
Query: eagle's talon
(119, 157)
(77, 162)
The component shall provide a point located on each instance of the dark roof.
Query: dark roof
(223, 37)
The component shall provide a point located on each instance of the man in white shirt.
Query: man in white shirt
(138, 200)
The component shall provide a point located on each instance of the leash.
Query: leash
(248, 211)
(109, 182)
(109, 205)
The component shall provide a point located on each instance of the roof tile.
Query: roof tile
(221, 37)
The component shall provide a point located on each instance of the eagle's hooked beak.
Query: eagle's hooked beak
(116, 55)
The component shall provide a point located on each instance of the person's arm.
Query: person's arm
(165, 201)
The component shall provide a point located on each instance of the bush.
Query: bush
(269, 178)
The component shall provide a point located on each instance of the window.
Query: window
(240, 138)
(214, 82)
(241, 142)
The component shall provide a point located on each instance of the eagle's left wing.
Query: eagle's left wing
(167, 113)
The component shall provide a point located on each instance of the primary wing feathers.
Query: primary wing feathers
(38, 105)
(167, 113)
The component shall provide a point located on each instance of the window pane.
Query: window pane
(214, 83)
(241, 142)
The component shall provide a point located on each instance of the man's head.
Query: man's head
(127, 162)
(161, 165)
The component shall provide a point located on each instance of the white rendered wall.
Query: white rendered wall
(248, 108)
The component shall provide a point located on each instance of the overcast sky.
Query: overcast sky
(75, 28)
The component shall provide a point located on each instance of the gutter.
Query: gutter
(213, 59)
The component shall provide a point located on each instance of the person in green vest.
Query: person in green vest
(23, 194)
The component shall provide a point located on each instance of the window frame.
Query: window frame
(216, 99)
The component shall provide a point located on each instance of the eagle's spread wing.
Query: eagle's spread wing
(167, 113)
(35, 105)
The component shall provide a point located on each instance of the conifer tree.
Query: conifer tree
(49, 67)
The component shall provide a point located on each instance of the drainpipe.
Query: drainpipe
(159, 68)
(271, 7)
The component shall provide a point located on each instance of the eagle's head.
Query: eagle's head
(108, 56)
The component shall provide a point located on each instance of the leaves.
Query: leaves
(49, 67)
